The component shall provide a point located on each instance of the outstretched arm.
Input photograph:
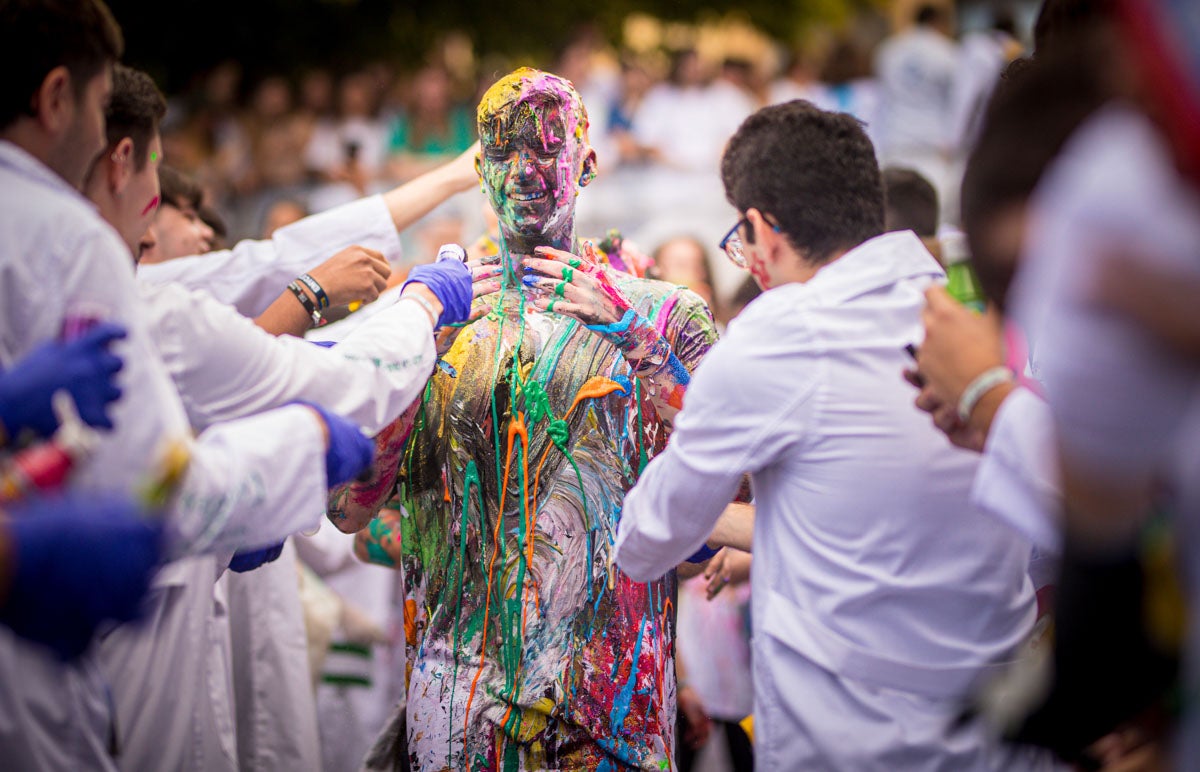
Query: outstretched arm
(352, 507)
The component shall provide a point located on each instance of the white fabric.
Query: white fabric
(274, 709)
(254, 273)
(226, 367)
(916, 71)
(352, 715)
(982, 57)
(872, 577)
(1127, 407)
(59, 259)
(1018, 479)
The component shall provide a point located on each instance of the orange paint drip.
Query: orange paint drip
(515, 427)
(596, 387)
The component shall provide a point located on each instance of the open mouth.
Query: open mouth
(535, 196)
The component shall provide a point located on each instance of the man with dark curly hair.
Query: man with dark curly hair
(879, 595)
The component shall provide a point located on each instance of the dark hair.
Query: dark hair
(136, 108)
(178, 189)
(38, 35)
(929, 14)
(845, 63)
(1066, 20)
(1034, 110)
(813, 171)
(910, 202)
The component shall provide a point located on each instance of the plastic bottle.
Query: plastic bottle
(961, 281)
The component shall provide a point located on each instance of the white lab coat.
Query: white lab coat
(274, 710)
(879, 596)
(226, 367)
(253, 274)
(355, 693)
(1018, 478)
(1127, 408)
(59, 258)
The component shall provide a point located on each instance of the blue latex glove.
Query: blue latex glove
(79, 561)
(349, 453)
(450, 281)
(252, 559)
(84, 367)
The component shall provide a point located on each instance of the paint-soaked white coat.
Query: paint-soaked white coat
(878, 593)
(252, 274)
(226, 367)
(58, 257)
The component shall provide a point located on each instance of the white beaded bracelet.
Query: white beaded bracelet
(983, 383)
(433, 317)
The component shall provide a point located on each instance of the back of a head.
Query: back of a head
(178, 189)
(1060, 22)
(928, 15)
(134, 111)
(1035, 109)
(526, 85)
(911, 202)
(813, 171)
(37, 36)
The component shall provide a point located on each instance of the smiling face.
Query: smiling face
(534, 157)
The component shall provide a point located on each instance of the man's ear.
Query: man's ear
(590, 167)
(120, 167)
(53, 103)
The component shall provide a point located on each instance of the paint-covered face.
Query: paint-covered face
(534, 155)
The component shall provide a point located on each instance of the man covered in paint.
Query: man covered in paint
(503, 488)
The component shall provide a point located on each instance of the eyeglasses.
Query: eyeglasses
(732, 244)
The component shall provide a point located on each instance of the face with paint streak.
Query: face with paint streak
(534, 158)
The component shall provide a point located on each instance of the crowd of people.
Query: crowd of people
(339, 498)
(269, 148)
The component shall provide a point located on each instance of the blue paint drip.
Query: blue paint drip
(616, 328)
(621, 702)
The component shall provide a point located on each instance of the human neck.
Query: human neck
(515, 246)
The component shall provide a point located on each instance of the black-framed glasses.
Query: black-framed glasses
(731, 245)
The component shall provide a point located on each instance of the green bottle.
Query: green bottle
(961, 281)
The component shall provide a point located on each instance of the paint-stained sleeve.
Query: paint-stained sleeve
(353, 506)
(734, 424)
(663, 355)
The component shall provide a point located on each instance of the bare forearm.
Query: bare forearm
(285, 316)
(413, 200)
(735, 528)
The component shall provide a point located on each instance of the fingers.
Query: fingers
(489, 287)
(479, 271)
(927, 401)
(102, 334)
(557, 305)
(946, 418)
(585, 264)
(914, 378)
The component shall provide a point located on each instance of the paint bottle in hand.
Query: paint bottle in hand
(961, 281)
(452, 252)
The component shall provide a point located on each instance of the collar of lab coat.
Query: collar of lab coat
(16, 159)
(873, 264)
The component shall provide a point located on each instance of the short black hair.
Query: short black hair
(38, 35)
(929, 14)
(135, 110)
(1036, 107)
(179, 190)
(1062, 22)
(911, 202)
(813, 171)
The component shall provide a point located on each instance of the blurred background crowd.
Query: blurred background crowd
(294, 130)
